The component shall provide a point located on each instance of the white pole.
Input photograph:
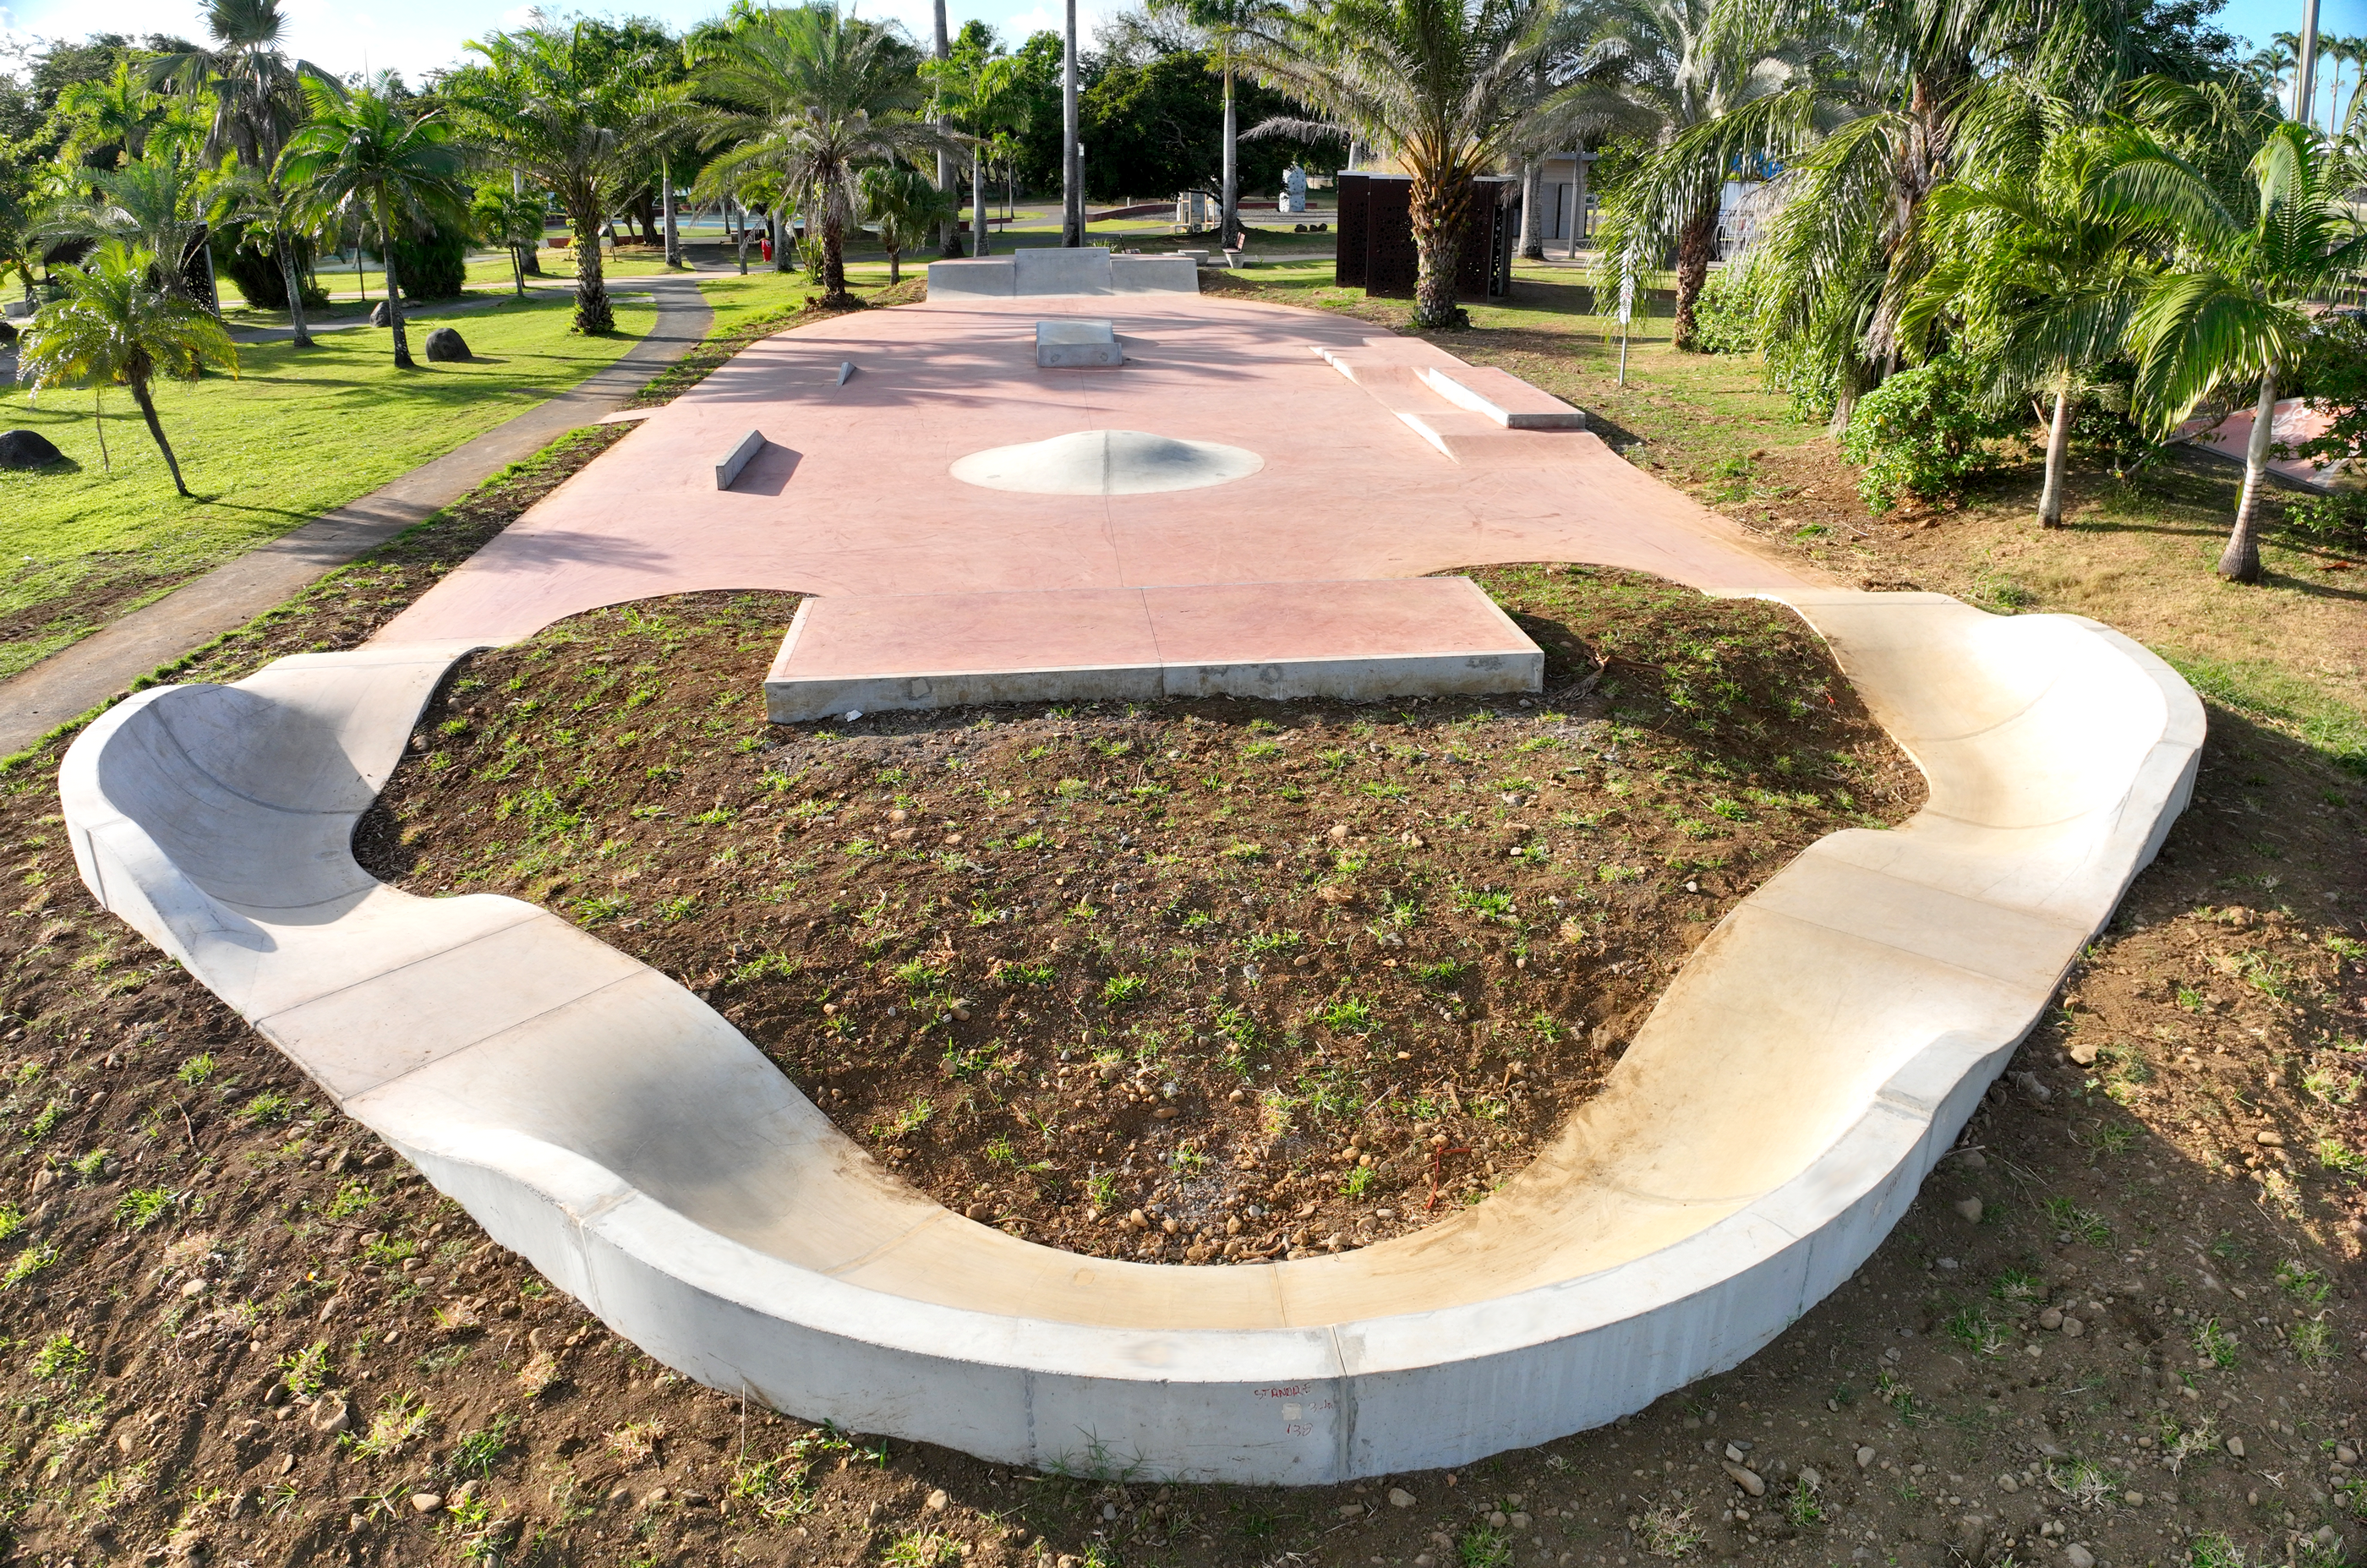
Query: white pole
(2306, 68)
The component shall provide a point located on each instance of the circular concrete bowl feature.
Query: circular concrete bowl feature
(1107, 462)
(1765, 1129)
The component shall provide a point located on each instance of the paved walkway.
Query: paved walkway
(101, 666)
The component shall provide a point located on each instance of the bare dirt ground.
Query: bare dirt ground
(1192, 982)
(236, 1331)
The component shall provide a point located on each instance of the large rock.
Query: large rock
(378, 317)
(26, 449)
(445, 344)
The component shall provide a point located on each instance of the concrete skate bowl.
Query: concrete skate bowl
(1765, 1129)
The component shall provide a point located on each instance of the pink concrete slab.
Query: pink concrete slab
(2297, 420)
(852, 498)
(1267, 621)
(940, 634)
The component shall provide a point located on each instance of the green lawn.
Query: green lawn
(293, 435)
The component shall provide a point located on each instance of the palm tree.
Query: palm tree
(815, 94)
(905, 206)
(514, 220)
(2037, 278)
(156, 201)
(556, 105)
(1447, 85)
(1688, 72)
(2233, 307)
(257, 90)
(401, 176)
(115, 326)
(1229, 25)
(260, 201)
(983, 95)
(119, 111)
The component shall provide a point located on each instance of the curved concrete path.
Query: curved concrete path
(1765, 1129)
(79, 677)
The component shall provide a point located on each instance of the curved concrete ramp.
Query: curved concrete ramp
(1764, 1130)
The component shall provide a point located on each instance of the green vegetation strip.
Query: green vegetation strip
(2282, 700)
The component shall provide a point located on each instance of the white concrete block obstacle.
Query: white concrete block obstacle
(1077, 344)
(738, 458)
(1766, 1127)
(1047, 269)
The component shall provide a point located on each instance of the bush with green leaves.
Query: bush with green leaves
(1726, 317)
(1922, 433)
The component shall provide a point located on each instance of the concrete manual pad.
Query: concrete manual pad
(1426, 637)
(1074, 345)
(1768, 1123)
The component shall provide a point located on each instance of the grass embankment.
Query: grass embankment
(296, 434)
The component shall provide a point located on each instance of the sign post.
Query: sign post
(1627, 310)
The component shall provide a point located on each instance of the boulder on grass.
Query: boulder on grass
(378, 317)
(26, 449)
(444, 346)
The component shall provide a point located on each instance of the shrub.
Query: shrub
(2339, 519)
(435, 268)
(1921, 433)
(1725, 317)
(255, 269)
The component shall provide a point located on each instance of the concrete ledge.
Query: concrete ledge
(1077, 344)
(739, 457)
(1503, 397)
(1154, 275)
(981, 278)
(1048, 269)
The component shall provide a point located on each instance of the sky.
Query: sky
(418, 36)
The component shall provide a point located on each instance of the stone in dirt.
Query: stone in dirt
(1971, 1209)
(2077, 1556)
(26, 449)
(446, 347)
(1401, 1498)
(1747, 1480)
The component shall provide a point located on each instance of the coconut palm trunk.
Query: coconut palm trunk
(1230, 216)
(1696, 245)
(402, 360)
(2240, 562)
(301, 335)
(978, 204)
(1440, 208)
(672, 235)
(136, 376)
(2058, 443)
